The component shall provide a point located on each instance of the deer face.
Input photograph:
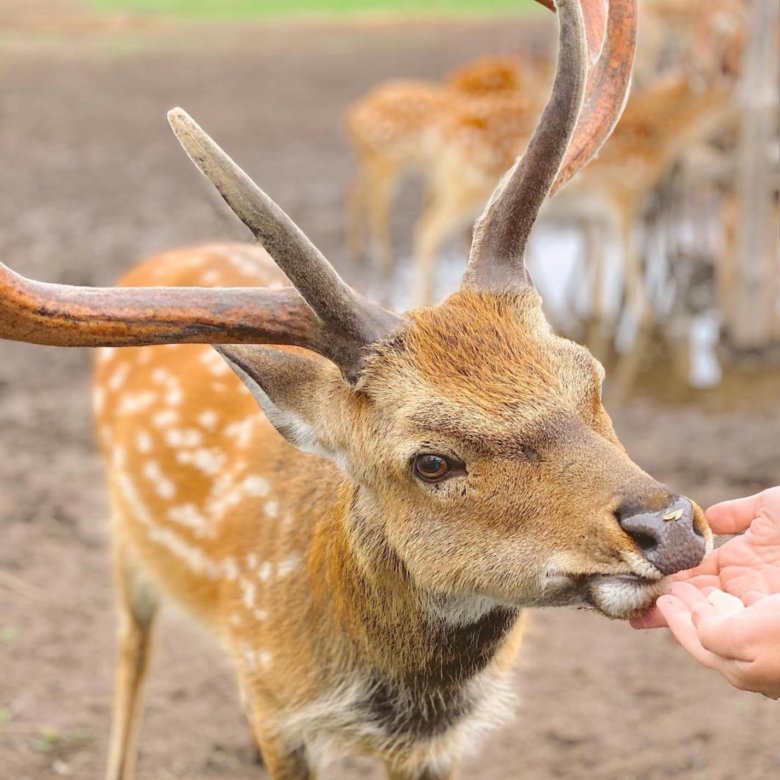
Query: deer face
(485, 460)
(497, 470)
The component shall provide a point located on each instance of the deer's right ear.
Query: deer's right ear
(291, 389)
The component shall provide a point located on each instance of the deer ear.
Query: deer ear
(292, 390)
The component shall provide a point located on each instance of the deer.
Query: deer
(361, 505)
(394, 131)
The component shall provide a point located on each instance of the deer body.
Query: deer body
(364, 548)
(263, 544)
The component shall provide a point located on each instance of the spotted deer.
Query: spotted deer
(365, 548)
(395, 131)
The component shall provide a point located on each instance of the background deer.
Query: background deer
(466, 143)
(369, 580)
(396, 128)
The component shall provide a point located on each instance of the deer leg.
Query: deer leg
(356, 243)
(137, 609)
(282, 762)
(630, 364)
(382, 177)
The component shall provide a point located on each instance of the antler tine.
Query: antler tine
(606, 91)
(501, 233)
(69, 316)
(315, 278)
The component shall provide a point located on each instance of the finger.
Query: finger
(679, 619)
(651, 619)
(753, 596)
(691, 596)
(709, 623)
(733, 517)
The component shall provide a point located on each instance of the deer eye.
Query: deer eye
(431, 467)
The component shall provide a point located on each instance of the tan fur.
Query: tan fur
(366, 612)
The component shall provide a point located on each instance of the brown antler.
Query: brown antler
(68, 316)
(606, 92)
(565, 139)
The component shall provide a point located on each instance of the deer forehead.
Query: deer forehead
(483, 362)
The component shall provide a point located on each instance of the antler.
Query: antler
(606, 92)
(324, 314)
(566, 138)
(68, 316)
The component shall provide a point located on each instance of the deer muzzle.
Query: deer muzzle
(672, 538)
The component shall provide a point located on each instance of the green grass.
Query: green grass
(238, 9)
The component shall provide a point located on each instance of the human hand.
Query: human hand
(744, 643)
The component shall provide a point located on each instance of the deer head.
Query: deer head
(483, 462)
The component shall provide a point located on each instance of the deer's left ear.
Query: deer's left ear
(293, 391)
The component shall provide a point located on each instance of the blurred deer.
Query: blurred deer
(395, 130)
(363, 549)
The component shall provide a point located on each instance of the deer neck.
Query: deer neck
(399, 631)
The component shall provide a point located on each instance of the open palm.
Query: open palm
(747, 566)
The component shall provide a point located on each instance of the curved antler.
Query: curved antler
(578, 118)
(501, 233)
(69, 316)
(606, 91)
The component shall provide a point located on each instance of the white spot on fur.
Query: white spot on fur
(189, 516)
(117, 379)
(106, 354)
(174, 395)
(272, 508)
(208, 419)
(288, 565)
(143, 442)
(266, 658)
(188, 437)
(165, 418)
(250, 657)
(215, 362)
(136, 402)
(162, 485)
(248, 593)
(241, 430)
(256, 486)
(194, 558)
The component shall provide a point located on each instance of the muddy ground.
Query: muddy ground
(91, 180)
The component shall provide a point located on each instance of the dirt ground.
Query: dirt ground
(91, 179)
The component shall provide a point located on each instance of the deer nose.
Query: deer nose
(669, 538)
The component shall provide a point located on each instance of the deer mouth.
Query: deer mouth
(622, 596)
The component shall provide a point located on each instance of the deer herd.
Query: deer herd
(460, 136)
(364, 543)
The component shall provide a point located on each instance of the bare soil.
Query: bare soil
(92, 180)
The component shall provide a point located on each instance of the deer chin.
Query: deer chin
(622, 596)
(619, 596)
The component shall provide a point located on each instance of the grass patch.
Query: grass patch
(238, 9)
